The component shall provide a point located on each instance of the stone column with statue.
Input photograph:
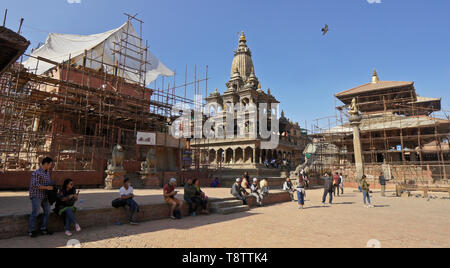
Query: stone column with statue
(355, 121)
(115, 171)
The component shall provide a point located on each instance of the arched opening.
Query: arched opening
(239, 155)
(220, 155)
(264, 155)
(212, 156)
(248, 156)
(229, 156)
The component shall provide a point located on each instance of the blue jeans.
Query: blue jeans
(301, 198)
(366, 195)
(69, 218)
(325, 193)
(193, 204)
(36, 205)
(132, 208)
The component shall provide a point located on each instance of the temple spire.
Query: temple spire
(375, 78)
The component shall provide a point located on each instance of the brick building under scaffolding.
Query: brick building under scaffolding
(77, 107)
(402, 134)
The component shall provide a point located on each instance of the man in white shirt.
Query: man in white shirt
(127, 194)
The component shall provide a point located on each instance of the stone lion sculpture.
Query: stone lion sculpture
(116, 162)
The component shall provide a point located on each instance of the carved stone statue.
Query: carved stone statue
(353, 108)
(115, 171)
(148, 166)
(115, 164)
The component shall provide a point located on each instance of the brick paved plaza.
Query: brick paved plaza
(395, 222)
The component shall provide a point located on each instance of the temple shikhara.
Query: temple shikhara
(231, 157)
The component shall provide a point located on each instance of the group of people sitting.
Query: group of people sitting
(275, 163)
(258, 190)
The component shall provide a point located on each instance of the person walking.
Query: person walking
(301, 193)
(365, 187)
(382, 180)
(336, 183)
(328, 189)
(341, 184)
(39, 185)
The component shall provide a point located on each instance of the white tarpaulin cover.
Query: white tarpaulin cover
(100, 47)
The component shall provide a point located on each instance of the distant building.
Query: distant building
(397, 129)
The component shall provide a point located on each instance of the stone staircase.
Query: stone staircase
(228, 206)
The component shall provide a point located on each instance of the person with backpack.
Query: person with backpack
(169, 196)
(328, 189)
(127, 196)
(39, 185)
(336, 183)
(366, 191)
(65, 206)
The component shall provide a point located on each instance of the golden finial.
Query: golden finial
(375, 78)
(259, 85)
(242, 39)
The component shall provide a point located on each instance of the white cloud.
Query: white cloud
(374, 1)
(74, 1)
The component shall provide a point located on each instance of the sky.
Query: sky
(405, 40)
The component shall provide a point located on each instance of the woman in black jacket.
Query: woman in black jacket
(65, 205)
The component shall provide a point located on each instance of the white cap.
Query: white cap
(238, 180)
(173, 180)
(255, 179)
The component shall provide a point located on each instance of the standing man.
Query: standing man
(336, 184)
(39, 185)
(239, 192)
(365, 186)
(383, 184)
(341, 185)
(169, 197)
(328, 189)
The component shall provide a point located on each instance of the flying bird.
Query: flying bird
(325, 29)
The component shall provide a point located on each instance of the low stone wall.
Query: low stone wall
(15, 180)
(17, 225)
